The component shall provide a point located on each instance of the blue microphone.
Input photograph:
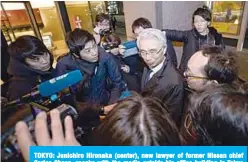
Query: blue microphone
(131, 48)
(59, 83)
(125, 94)
(50, 88)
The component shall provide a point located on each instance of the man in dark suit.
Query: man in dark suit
(160, 78)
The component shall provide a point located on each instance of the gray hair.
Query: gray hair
(152, 33)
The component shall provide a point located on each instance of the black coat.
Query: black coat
(24, 78)
(136, 65)
(193, 42)
(171, 54)
(167, 85)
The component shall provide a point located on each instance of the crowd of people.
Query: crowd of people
(203, 102)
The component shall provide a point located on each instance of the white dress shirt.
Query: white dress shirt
(156, 69)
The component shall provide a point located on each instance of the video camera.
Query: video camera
(41, 98)
(10, 150)
(108, 46)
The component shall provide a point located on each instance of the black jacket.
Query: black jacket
(167, 85)
(193, 42)
(136, 65)
(171, 54)
(24, 78)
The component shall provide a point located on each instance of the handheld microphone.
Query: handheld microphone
(50, 87)
(131, 48)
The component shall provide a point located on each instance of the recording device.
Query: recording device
(131, 48)
(103, 32)
(10, 150)
(48, 88)
(108, 46)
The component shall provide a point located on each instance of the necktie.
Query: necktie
(148, 76)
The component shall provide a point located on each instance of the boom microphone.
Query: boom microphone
(50, 87)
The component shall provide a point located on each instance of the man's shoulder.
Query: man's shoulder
(64, 57)
(172, 74)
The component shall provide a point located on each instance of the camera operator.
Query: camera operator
(102, 27)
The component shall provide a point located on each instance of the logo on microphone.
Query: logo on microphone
(52, 81)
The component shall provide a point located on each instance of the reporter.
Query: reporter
(102, 27)
(30, 64)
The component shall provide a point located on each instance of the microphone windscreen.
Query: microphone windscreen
(125, 94)
(129, 44)
(59, 83)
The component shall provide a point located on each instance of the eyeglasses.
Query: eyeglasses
(187, 76)
(152, 53)
(195, 77)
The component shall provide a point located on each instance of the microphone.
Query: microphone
(50, 87)
(131, 48)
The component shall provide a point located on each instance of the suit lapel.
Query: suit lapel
(143, 80)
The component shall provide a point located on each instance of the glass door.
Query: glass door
(79, 14)
(15, 20)
(50, 26)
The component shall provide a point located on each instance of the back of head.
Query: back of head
(141, 22)
(137, 121)
(27, 46)
(101, 17)
(204, 12)
(220, 116)
(77, 39)
(222, 65)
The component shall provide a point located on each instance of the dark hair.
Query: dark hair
(203, 12)
(220, 116)
(222, 65)
(101, 17)
(26, 47)
(112, 39)
(143, 22)
(137, 121)
(77, 39)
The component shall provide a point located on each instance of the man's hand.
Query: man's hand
(42, 136)
(122, 49)
(125, 68)
(96, 35)
(108, 108)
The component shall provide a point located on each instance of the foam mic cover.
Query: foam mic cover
(131, 48)
(59, 83)
(129, 44)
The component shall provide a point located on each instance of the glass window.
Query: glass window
(50, 26)
(79, 15)
(15, 19)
